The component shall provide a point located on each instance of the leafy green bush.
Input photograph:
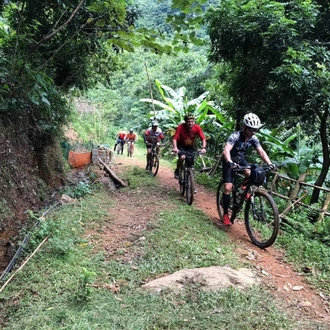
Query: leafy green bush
(80, 190)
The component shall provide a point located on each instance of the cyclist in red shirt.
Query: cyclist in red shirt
(130, 137)
(120, 139)
(184, 138)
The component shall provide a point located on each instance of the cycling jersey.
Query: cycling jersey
(152, 136)
(186, 138)
(240, 145)
(130, 137)
(121, 135)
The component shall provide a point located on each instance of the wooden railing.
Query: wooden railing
(298, 193)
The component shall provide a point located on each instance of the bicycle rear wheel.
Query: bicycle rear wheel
(262, 220)
(118, 148)
(190, 186)
(154, 165)
(231, 209)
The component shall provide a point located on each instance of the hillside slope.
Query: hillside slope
(29, 169)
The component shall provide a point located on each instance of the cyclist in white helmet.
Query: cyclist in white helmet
(153, 135)
(234, 154)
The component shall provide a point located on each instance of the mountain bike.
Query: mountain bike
(119, 148)
(153, 163)
(130, 148)
(261, 215)
(186, 176)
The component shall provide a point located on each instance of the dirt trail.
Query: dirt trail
(281, 279)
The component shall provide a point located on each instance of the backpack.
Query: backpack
(258, 175)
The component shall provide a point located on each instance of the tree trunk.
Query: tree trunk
(113, 176)
(326, 158)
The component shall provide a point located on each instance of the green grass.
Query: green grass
(67, 285)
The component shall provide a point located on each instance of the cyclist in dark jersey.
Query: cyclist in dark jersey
(234, 154)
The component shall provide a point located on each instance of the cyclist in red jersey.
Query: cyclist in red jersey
(131, 137)
(120, 138)
(184, 138)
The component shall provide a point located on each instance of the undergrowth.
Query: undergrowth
(74, 283)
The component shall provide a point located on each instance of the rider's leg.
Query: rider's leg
(148, 157)
(226, 196)
(228, 186)
(179, 165)
(246, 174)
(180, 161)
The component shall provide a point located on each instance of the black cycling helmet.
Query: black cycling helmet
(189, 116)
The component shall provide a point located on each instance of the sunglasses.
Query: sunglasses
(252, 129)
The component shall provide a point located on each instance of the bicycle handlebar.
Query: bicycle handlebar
(190, 153)
(154, 144)
(265, 167)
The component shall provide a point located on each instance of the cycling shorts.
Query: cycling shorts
(182, 149)
(227, 171)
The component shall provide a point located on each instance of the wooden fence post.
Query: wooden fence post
(324, 208)
(294, 194)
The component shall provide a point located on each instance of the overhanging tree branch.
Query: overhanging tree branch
(48, 36)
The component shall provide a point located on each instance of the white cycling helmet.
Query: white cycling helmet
(252, 121)
(154, 123)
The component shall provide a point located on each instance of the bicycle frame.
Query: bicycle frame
(153, 163)
(130, 148)
(186, 176)
(260, 214)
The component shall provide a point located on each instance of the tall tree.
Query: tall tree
(279, 56)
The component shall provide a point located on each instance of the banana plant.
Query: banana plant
(298, 160)
(174, 106)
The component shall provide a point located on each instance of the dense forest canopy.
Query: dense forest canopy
(262, 56)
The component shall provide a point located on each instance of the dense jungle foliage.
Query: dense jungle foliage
(121, 63)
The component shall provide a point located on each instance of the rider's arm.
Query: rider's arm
(175, 144)
(204, 144)
(263, 155)
(226, 152)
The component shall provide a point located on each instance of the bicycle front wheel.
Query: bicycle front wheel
(262, 219)
(190, 188)
(231, 209)
(154, 165)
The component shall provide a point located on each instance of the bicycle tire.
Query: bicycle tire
(182, 182)
(129, 150)
(154, 166)
(262, 224)
(190, 186)
(231, 210)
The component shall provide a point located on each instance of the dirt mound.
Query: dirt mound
(208, 278)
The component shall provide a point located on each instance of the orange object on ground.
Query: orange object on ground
(79, 159)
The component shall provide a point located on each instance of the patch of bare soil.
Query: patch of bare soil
(279, 277)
